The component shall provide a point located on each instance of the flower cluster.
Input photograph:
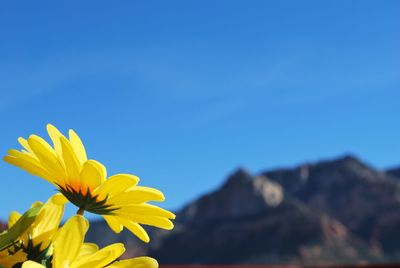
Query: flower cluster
(35, 239)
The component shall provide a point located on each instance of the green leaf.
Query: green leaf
(26, 220)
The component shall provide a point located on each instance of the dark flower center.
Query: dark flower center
(87, 201)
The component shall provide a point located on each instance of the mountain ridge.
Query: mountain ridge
(289, 215)
(344, 188)
(281, 226)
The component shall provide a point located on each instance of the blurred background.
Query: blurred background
(285, 113)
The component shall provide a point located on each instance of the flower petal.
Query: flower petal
(92, 175)
(71, 161)
(47, 222)
(55, 135)
(47, 156)
(68, 241)
(159, 222)
(29, 164)
(140, 262)
(25, 145)
(137, 194)
(13, 218)
(114, 224)
(147, 209)
(32, 264)
(8, 260)
(100, 258)
(77, 144)
(59, 199)
(116, 184)
(135, 228)
(87, 249)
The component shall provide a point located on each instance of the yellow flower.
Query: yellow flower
(34, 243)
(69, 250)
(84, 183)
(9, 259)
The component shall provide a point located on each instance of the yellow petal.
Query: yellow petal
(77, 144)
(159, 222)
(47, 222)
(55, 135)
(36, 204)
(92, 175)
(59, 199)
(68, 241)
(116, 184)
(113, 223)
(13, 218)
(137, 194)
(25, 144)
(146, 209)
(47, 156)
(87, 249)
(25, 237)
(30, 165)
(9, 261)
(32, 264)
(140, 262)
(101, 258)
(135, 228)
(71, 161)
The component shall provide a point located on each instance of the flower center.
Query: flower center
(33, 253)
(83, 199)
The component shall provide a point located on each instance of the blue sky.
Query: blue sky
(183, 92)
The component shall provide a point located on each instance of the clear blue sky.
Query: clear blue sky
(182, 92)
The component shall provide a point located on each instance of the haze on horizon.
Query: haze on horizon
(181, 93)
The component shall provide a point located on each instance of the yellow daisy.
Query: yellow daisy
(34, 243)
(84, 183)
(9, 259)
(70, 251)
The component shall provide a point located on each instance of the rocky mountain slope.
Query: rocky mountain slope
(339, 211)
(365, 200)
(250, 220)
(394, 172)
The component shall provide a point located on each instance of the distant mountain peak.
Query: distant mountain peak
(241, 195)
(240, 171)
(239, 176)
(349, 158)
(345, 160)
(327, 176)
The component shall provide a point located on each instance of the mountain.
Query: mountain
(331, 212)
(251, 220)
(394, 172)
(365, 200)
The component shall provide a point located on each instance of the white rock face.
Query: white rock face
(241, 195)
(271, 192)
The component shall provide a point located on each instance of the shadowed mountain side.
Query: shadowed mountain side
(242, 194)
(250, 220)
(394, 172)
(365, 200)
